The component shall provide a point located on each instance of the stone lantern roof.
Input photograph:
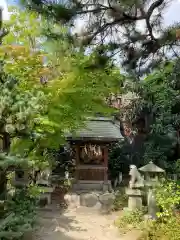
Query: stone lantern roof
(151, 168)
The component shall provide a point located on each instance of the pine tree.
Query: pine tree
(112, 27)
(21, 103)
(18, 113)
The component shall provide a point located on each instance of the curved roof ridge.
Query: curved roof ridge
(100, 128)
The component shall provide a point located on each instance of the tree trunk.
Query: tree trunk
(6, 142)
(3, 178)
(178, 143)
(3, 182)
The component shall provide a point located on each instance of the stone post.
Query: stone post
(134, 192)
(134, 199)
(152, 205)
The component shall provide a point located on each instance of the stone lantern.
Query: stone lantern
(152, 174)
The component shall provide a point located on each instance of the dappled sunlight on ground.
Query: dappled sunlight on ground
(77, 224)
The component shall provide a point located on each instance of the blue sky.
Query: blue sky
(172, 14)
(4, 4)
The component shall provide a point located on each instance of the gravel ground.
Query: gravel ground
(77, 224)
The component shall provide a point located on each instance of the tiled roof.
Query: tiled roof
(98, 129)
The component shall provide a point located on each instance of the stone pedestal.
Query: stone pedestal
(88, 199)
(46, 194)
(100, 201)
(105, 187)
(106, 200)
(72, 200)
(134, 199)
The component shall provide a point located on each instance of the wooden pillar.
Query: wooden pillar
(77, 149)
(105, 163)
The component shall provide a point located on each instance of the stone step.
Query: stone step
(51, 207)
(92, 185)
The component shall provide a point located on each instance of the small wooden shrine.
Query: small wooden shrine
(91, 150)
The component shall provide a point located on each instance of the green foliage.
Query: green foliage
(20, 111)
(168, 198)
(165, 231)
(166, 226)
(157, 106)
(69, 84)
(23, 201)
(120, 200)
(161, 98)
(10, 161)
(130, 220)
(21, 214)
(22, 28)
(22, 100)
(37, 116)
(40, 102)
(119, 158)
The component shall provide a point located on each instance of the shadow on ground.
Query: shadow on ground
(76, 224)
(56, 225)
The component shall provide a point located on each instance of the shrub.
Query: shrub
(168, 198)
(21, 214)
(120, 200)
(154, 230)
(166, 226)
(129, 220)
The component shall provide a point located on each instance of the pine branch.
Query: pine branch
(105, 21)
(149, 14)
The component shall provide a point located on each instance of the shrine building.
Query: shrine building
(91, 145)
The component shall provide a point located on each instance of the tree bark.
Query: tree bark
(3, 176)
